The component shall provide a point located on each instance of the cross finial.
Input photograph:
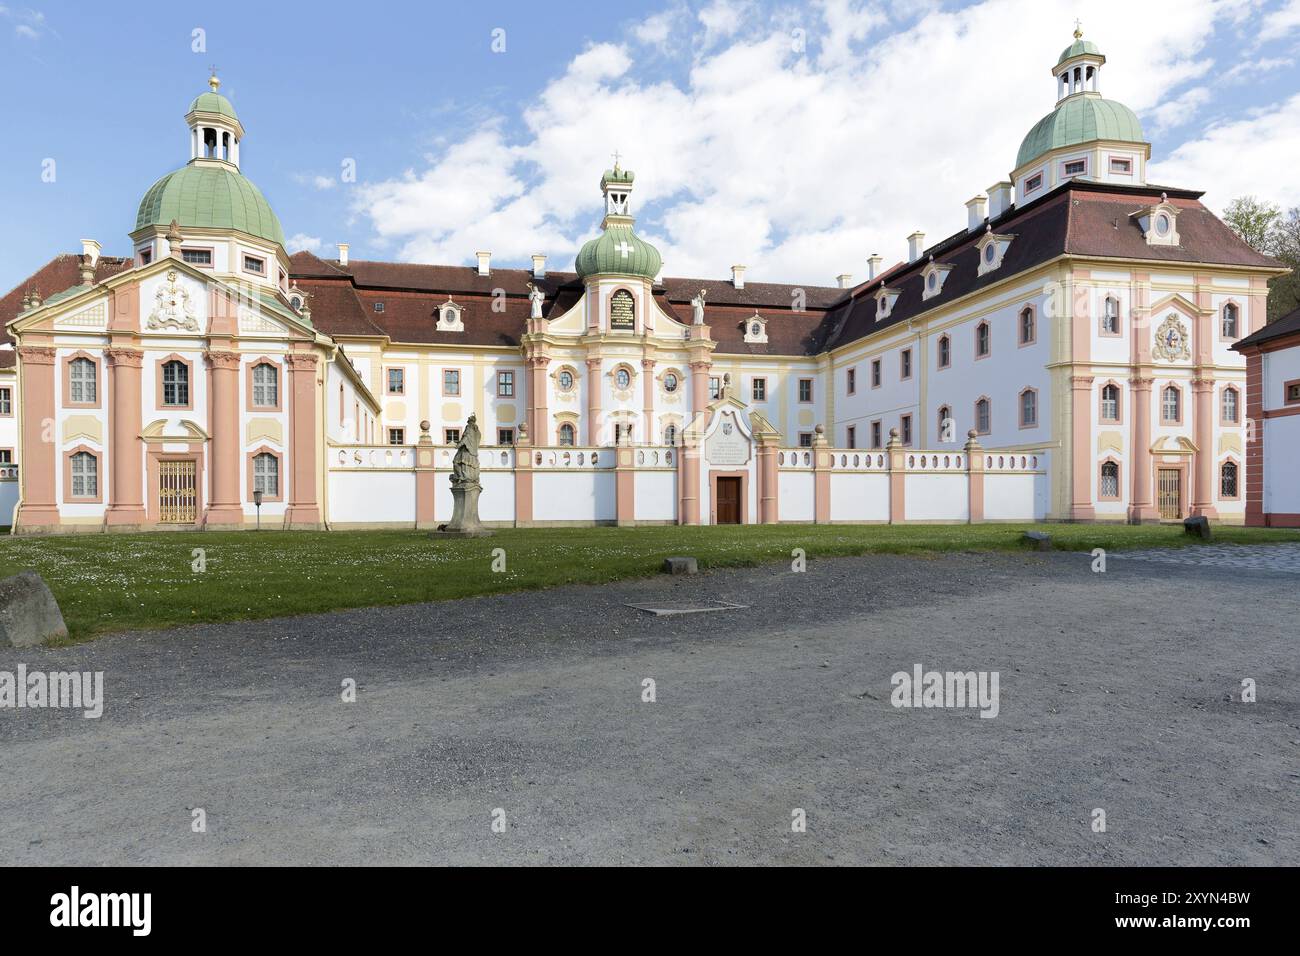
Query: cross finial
(1078, 29)
(213, 82)
(616, 157)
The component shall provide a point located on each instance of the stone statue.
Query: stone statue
(697, 307)
(465, 487)
(536, 297)
(464, 467)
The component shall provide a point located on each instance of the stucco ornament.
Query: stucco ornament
(1171, 341)
(173, 308)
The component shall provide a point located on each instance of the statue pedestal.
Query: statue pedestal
(464, 521)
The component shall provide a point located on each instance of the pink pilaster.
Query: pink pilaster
(125, 501)
(303, 509)
(425, 480)
(625, 486)
(523, 479)
(225, 509)
(897, 478)
(974, 477)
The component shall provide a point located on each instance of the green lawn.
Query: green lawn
(116, 582)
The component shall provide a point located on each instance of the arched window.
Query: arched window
(983, 342)
(1109, 487)
(85, 475)
(1110, 316)
(945, 351)
(1230, 405)
(983, 416)
(1230, 314)
(266, 386)
(1028, 408)
(81, 381)
(566, 434)
(670, 435)
(946, 427)
(266, 474)
(1028, 330)
(1171, 404)
(1110, 403)
(1228, 480)
(176, 383)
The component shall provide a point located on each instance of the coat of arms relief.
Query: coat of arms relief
(1171, 341)
(173, 308)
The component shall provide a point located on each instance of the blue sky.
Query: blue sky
(795, 138)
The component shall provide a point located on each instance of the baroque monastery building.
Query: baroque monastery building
(1067, 355)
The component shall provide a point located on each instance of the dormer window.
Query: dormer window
(885, 300)
(379, 307)
(756, 330)
(992, 248)
(1159, 223)
(449, 316)
(933, 276)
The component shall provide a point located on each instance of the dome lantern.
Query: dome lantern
(1078, 69)
(618, 250)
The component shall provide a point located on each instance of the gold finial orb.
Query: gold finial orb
(213, 83)
(1078, 30)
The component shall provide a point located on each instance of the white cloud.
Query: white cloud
(301, 242)
(1180, 110)
(798, 164)
(1280, 22)
(655, 30)
(1243, 157)
(28, 24)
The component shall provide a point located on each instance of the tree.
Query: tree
(1284, 291)
(1262, 226)
(1253, 220)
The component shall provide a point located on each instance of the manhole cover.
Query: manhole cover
(660, 610)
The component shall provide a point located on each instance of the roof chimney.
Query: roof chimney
(915, 245)
(738, 277)
(976, 210)
(343, 253)
(845, 280)
(90, 249)
(539, 266)
(484, 263)
(1000, 198)
(873, 266)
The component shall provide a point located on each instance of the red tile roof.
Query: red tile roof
(60, 273)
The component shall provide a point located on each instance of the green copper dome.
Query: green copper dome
(213, 103)
(618, 250)
(1080, 119)
(1078, 48)
(209, 196)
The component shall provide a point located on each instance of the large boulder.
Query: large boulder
(29, 615)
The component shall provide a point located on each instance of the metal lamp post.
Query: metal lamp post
(257, 500)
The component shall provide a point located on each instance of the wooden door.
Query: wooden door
(177, 492)
(1169, 493)
(728, 503)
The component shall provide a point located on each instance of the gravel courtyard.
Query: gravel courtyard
(1119, 691)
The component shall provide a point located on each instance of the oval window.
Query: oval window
(566, 380)
(670, 382)
(755, 330)
(622, 378)
(990, 251)
(1162, 225)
